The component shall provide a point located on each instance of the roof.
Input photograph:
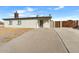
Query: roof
(25, 18)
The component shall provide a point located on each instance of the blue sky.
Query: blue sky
(57, 12)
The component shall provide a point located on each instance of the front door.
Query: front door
(41, 23)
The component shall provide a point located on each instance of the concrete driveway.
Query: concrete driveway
(36, 41)
(70, 37)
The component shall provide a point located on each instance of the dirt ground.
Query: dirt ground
(7, 34)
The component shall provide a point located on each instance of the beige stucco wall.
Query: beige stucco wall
(46, 23)
(32, 23)
(24, 24)
(51, 24)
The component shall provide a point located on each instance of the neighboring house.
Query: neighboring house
(28, 22)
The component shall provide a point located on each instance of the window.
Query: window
(19, 22)
(10, 22)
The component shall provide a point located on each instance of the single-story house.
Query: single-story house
(28, 22)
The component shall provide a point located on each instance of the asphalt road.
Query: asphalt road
(36, 41)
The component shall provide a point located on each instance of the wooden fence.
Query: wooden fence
(69, 23)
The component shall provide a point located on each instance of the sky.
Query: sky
(57, 12)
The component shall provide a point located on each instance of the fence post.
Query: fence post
(60, 24)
